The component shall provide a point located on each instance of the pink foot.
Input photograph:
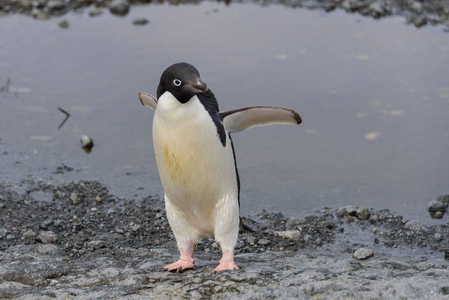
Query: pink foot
(226, 263)
(185, 261)
(180, 265)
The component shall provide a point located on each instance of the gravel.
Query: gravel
(116, 248)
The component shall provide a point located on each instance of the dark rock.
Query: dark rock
(435, 206)
(419, 21)
(63, 24)
(443, 198)
(119, 7)
(141, 21)
(444, 290)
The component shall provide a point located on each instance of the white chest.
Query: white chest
(195, 168)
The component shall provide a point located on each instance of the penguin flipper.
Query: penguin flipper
(148, 100)
(247, 117)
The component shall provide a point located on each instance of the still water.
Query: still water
(373, 95)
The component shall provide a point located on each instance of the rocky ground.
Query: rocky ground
(77, 241)
(416, 12)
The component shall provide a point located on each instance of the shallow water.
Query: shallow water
(374, 97)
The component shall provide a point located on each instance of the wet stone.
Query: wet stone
(363, 213)
(63, 24)
(435, 206)
(119, 7)
(141, 21)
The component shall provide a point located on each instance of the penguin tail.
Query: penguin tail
(245, 228)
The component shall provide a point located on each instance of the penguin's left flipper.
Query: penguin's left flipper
(244, 118)
(148, 100)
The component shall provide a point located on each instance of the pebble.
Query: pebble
(376, 9)
(56, 5)
(363, 253)
(74, 198)
(3, 232)
(415, 226)
(416, 6)
(141, 21)
(437, 215)
(419, 21)
(86, 143)
(435, 206)
(119, 7)
(263, 242)
(363, 213)
(63, 24)
(437, 236)
(47, 237)
(29, 234)
(96, 244)
(289, 234)
(94, 10)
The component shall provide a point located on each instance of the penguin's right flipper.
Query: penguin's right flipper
(148, 100)
(244, 118)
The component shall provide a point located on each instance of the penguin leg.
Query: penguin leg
(185, 234)
(226, 231)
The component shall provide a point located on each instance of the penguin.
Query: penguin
(196, 161)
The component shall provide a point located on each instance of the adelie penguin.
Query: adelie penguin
(196, 161)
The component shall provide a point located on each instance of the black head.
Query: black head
(182, 80)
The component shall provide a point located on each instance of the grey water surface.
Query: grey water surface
(374, 97)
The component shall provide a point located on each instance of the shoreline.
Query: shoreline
(76, 240)
(418, 13)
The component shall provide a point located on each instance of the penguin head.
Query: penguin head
(183, 81)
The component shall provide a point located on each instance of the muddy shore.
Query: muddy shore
(77, 241)
(415, 12)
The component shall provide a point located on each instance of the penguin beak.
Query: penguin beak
(200, 87)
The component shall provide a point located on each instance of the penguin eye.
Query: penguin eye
(177, 82)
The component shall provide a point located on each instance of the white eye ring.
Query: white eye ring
(177, 82)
